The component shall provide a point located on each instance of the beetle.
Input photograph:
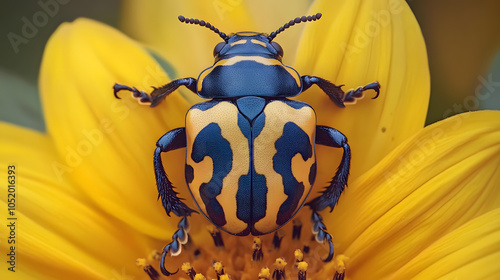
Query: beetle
(250, 150)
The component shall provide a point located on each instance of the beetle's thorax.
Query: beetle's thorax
(248, 64)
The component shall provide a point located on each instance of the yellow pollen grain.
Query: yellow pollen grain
(186, 267)
(280, 263)
(154, 255)
(264, 273)
(340, 263)
(257, 241)
(218, 267)
(302, 266)
(140, 262)
(224, 277)
(299, 256)
(199, 276)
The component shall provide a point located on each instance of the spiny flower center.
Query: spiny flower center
(279, 256)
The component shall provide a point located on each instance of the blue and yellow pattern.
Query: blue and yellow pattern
(250, 164)
(248, 65)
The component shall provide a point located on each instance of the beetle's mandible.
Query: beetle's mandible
(250, 150)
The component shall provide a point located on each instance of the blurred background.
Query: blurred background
(462, 38)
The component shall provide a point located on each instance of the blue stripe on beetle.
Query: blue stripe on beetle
(250, 151)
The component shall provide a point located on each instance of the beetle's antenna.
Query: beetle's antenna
(297, 20)
(206, 24)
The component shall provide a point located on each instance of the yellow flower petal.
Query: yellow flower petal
(190, 48)
(356, 43)
(432, 184)
(106, 145)
(57, 233)
(471, 251)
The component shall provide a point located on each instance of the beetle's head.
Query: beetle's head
(249, 43)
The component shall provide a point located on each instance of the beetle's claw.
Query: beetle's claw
(143, 98)
(179, 238)
(330, 244)
(166, 249)
(375, 86)
(118, 87)
(352, 95)
(321, 235)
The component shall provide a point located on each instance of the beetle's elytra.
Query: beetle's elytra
(250, 151)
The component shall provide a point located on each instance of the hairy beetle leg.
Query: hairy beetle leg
(332, 138)
(172, 140)
(321, 235)
(179, 238)
(158, 94)
(335, 93)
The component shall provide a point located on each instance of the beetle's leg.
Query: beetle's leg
(179, 238)
(158, 94)
(333, 138)
(336, 94)
(172, 140)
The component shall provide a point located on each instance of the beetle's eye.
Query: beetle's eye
(218, 48)
(278, 48)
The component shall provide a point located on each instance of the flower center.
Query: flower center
(284, 254)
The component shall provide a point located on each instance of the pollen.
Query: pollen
(218, 268)
(340, 267)
(154, 255)
(199, 276)
(257, 254)
(140, 262)
(299, 256)
(149, 269)
(340, 263)
(189, 270)
(212, 254)
(279, 271)
(302, 267)
(264, 274)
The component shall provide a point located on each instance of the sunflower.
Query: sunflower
(422, 202)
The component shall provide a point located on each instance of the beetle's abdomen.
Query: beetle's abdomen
(250, 164)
